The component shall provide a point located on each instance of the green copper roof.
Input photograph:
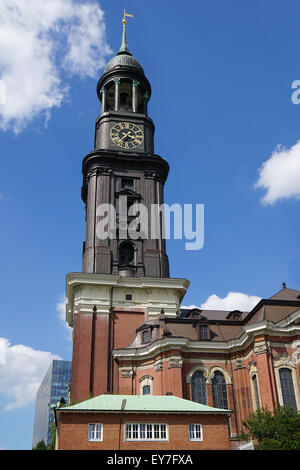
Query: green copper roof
(124, 58)
(124, 48)
(126, 61)
(146, 403)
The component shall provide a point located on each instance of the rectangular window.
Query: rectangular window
(126, 183)
(147, 335)
(95, 432)
(195, 432)
(146, 432)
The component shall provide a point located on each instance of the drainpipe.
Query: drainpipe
(121, 420)
(109, 361)
(233, 396)
(94, 316)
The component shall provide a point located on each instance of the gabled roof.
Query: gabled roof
(287, 294)
(142, 403)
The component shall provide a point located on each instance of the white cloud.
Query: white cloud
(39, 39)
(21, 373)
(280, 175)
(61, 313)
(232, 301)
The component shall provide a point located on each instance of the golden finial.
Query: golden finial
(124, 18)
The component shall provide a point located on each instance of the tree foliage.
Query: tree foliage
(51, 445)
(40, 446)
(277, 430)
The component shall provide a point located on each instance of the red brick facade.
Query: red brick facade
(109, 355)
(73, 432)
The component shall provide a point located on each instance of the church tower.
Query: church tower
(125, 271)
(123, 169)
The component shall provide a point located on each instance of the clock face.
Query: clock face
(127, 135)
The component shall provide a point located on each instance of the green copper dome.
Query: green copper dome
(124, 58)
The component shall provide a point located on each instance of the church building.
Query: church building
(146, 373)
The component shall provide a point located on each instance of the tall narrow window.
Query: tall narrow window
(256, 393)
(146, 390)
(219, 391)
(147, 335)
(287, 388)
(203, 332)
(199, 387)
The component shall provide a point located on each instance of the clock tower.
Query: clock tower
(123, 165)
(125, 279)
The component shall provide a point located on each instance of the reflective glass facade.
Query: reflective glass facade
(54, 387)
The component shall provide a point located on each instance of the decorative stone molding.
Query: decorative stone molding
(219, 369)
(283, 360)
(252, 367)
(85, 290)
(127, 373)
(146, 380)
(149, 377)
(296, 354)
(261, 348)
(158, 366)
(201, 368)
(104, 171)
(239, 364)
(91, 172)
(175, 363)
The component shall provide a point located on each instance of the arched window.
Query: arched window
(219, 391)
(199, 387)
(287, 388)
(256, 393)
(146, 390)
(146, 385)
(126, 254)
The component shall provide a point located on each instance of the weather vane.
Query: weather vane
(124, 18)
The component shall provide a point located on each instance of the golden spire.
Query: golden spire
(124, 18)
(124, 48)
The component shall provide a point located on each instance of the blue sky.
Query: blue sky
(221, 74)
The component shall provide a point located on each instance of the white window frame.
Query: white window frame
(98, 427)
(146, 380)
(141, 431)
(192, 429)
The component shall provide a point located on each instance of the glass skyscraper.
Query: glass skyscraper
(54, 386)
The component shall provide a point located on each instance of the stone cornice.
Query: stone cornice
(74, 279)
(106, 291)
(185, 344)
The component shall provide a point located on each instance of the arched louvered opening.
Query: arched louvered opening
(126, 254)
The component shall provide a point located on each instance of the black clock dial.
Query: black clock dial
(127, 135)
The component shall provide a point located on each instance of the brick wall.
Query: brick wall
(73, 432)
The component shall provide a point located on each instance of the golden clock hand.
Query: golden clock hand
(125, 135)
